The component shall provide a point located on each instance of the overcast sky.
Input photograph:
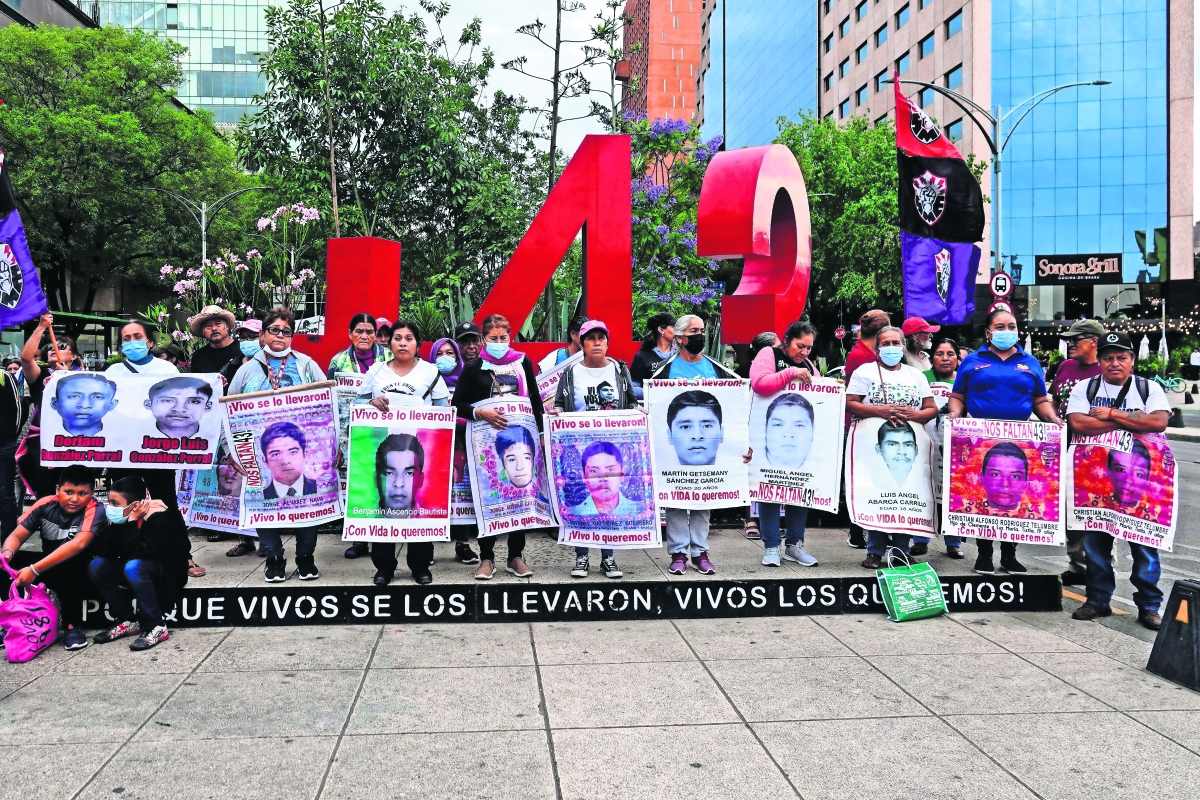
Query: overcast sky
(501, 18)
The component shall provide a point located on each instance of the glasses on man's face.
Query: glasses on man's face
(1078, 339)
(277, 331)
(247, 336)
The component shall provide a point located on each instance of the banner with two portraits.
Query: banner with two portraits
(796, 435)
(116, 419)
(699, 432)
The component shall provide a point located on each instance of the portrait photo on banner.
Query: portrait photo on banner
(462, 501)
(508, 470)
(889, 477)
(796, 435)
(603, 479)
(285, 441)
(1125, 484)
(104, 419)
(349, 384)
(216, 498)
(399, 473)
(700, 429)
(1003, 480)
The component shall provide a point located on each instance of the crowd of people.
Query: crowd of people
(135, 544)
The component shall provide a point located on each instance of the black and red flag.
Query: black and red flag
(941, 216)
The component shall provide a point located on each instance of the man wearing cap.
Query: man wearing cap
(1116, 400)
(918, 337)
(215, 325)
(469, 340)
(1081, 365)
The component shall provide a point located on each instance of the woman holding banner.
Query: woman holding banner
(409, 380)
(1001, 381)
(773, 369)
(277, 366)
(941, 374)
(498, 372)
(448, 358)
(898, 393)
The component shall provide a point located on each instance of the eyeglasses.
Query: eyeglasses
(248, 336)
(1078, 339)
(277, 331)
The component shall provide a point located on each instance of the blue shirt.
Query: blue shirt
(997, 389)
(684, 369)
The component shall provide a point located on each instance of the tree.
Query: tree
(89, 124)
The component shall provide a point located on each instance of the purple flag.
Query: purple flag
(21, 297)
(939, 279)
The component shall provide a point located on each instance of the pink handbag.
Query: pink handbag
(30, 623)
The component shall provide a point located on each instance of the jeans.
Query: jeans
(794, 519)
(878, 542)
(487, 546)
(987, 546)
(1102, 581)
(9, 507)
(687, 531)
(117, 581)
(951, 541)
(271, 540)
(605, 552)
(1075, 553)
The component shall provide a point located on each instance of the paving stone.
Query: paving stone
(453, 646)
(437, 700)
(1120, 685)
(760, 637)
(294, 648)
(609, 642)
(82, 708)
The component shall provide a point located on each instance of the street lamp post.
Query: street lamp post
(204, 213)
(997, 138)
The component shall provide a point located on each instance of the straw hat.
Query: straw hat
(197, 323)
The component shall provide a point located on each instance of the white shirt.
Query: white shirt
(156, 366)
(550, 360)
(1106, 397)
(595, 389)
(920, 361)
(281, 489)
(423, 382)
(1195, 358)
(901, 387)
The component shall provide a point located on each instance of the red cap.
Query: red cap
(917, 325)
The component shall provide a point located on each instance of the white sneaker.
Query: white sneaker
(797, 553)
(770, 557)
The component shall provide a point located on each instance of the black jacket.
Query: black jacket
(645, 363)
(475, 384)
(159, 538)
(310, 487)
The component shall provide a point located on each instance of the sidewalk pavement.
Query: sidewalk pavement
(965, 706)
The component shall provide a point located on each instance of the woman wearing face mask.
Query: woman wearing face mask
(136, 342)
(407, 380)
(448, 360)
(894, 391)
(364, 349)
(1001, 381)
(499, 371)
(142, 555)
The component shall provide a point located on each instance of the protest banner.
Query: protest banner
(603, 479)
(462, 503)
(889, 477)
(508, 473)
(700, 431)
(185, 489)
(1124, 484)
(796, 436)
(1003, 481)
(114, 419)
(216, 498)
(285, 441)
(399, 467)
(348, 386)
(548, 381)
(936, 428)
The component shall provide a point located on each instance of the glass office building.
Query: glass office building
(771, 58)
(1085, 173)
(223, 41)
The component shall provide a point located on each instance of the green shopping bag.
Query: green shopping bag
(911, 592)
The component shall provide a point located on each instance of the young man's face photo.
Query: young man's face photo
(788, 436)
(82, 404)
(1130, 476)
(1004, 480)
(518, 464)
(603, 473)
(401, 480)
(229, 480)
(285, 459)
(177, 410)
(696, 434)
(899, 452)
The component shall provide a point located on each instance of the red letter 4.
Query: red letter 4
(753, 204)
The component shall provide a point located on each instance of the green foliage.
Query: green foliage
(850, 174)
(430, 318)
(89, 126)
(1148, 367)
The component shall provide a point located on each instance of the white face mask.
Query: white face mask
(279, 353)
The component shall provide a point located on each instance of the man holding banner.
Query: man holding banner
(1117, 401)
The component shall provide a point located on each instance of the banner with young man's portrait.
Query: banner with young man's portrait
(349, 384)
(285, 444)
(215, 502)
(603, 479)
(700, 430)
(508, 472)
(399, 470)
(889, 477)
(114, 419)
(796, 435)
(1124, 484)
(1003, 480)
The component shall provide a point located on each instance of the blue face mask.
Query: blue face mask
(135, 351)
(115, 515)
(891, 355)
(496, 349)
(446, 364)
(251, 348)
(1004, 339)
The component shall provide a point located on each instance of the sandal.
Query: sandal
(195, 570)
(752, 529)
(486, 571)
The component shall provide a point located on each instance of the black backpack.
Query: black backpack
(1143, 388)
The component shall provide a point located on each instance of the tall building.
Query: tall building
(758, 62)
(224, 41)
(663, 69)
(64, 13)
